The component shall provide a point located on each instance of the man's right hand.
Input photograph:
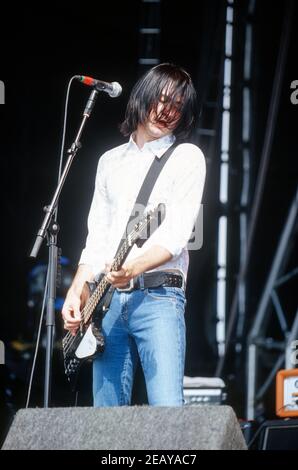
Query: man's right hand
(71, 310)
(76, 299)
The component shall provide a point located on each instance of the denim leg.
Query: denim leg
(158, 326)
(113, 370)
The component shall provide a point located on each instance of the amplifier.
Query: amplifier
(203, 391)
(287, 393)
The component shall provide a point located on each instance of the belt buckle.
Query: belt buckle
(129, 288)
(183, 284)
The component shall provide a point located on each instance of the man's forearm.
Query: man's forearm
(152, 258)
(83, 274)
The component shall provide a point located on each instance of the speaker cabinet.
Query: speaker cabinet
(279, 435)
(126, 428)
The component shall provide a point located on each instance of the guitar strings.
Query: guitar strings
(69, 339)
(86, 311)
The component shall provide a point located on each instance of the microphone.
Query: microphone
(113, 89)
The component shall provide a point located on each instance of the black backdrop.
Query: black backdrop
(41, 49)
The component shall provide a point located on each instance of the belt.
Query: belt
(153, 279)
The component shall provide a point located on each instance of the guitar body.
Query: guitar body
(86, 345)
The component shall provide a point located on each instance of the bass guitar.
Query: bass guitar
(89, 340)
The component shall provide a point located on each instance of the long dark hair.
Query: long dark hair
(147, 92)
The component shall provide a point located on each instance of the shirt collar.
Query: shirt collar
(157, 147)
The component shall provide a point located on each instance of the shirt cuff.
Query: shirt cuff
(96, 265)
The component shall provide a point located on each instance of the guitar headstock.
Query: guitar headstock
(148, 224)
(158, 210)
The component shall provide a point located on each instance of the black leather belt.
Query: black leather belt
(154, 279)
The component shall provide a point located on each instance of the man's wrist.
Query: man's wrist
(73, 292)
(76, 288)
(148, 261)
(137, 267)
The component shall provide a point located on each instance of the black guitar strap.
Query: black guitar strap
(142, 200)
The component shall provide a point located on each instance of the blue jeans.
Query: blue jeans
(149, 322)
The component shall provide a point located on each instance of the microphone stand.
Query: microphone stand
(50, 228)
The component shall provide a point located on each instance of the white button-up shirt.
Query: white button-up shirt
(120, 174)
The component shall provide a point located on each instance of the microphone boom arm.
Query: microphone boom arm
(50, 227)
(72, 151)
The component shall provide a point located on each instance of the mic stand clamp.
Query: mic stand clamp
(50, 228)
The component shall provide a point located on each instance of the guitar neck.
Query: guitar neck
(104, 284)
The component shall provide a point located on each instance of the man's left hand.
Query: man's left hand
(122, 277)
